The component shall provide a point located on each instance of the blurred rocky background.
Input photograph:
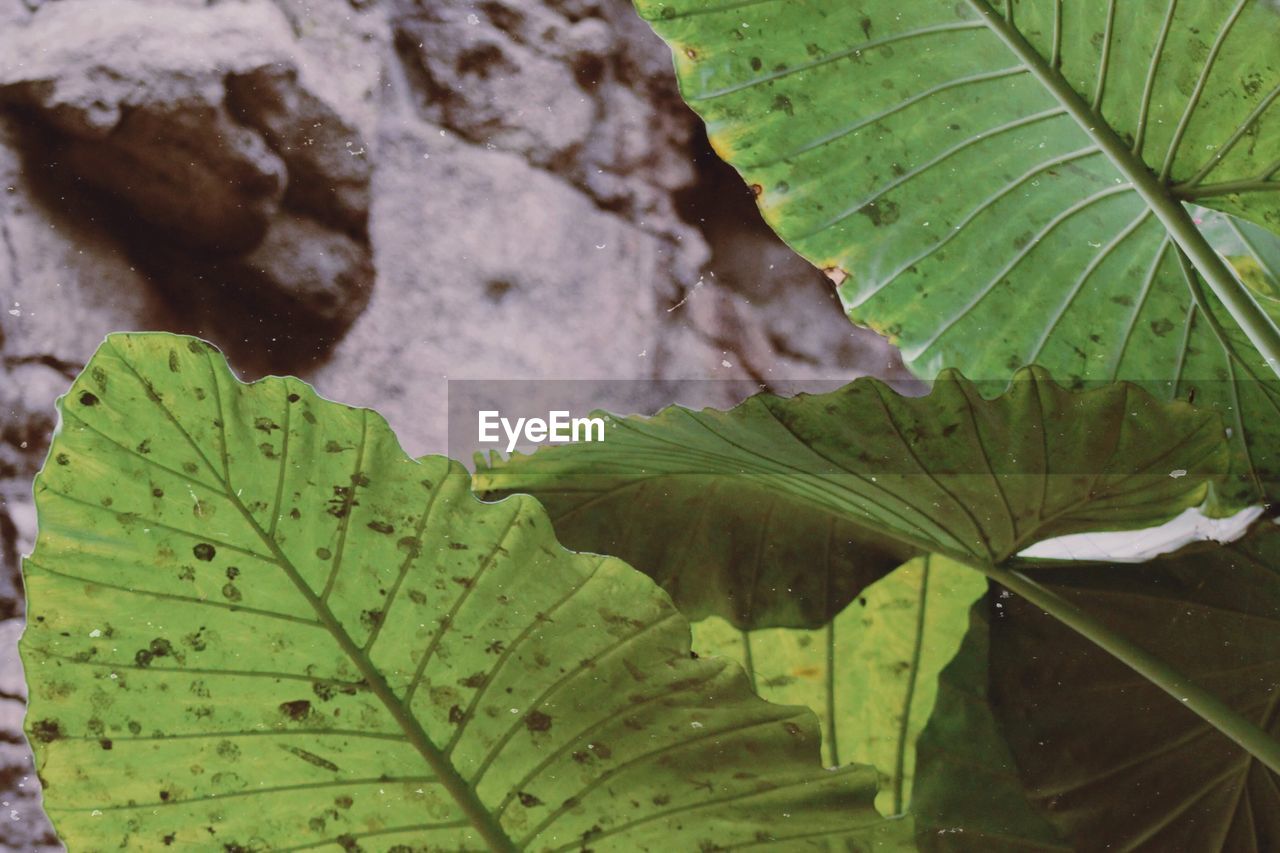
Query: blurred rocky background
(376, 196)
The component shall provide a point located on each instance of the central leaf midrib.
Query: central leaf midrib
(466, 798)
(1159, 196)
(448, 776)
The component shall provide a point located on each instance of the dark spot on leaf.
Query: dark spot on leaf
(105, 743)
(455, 715)
(230, 592)
(782, 102)
(865, 23)
(458, 546)
(204, 551)
(296, 710)
(342, 501)
(324, 553)
(46, 731)
(528, 800)
(173, 361)
(1161, 327)
(293, 398)
(62, 459)
(157, 493)
(88, 399)
(881, 212)
(381, 527)
(538, 721)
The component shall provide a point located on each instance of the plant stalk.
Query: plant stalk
(1207, 706)
(1243, 308)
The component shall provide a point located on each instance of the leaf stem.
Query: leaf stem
(1257, 325)
(1203, 703)
(831, 693)
(913, 674)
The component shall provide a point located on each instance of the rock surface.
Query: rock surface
(378, 196)
(220, 155)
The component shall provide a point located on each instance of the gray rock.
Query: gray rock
(206, 148)
(327, 159)
(491, 268)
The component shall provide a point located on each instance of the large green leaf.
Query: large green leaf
(993, 185)
(775, 513)
(871, 674)
(1110, 757)
(257, 624)
(968, 796)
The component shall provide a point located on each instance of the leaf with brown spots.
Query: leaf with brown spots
(994, 184)
(432, 725)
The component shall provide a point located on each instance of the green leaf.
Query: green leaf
(256, 623)
(1253, 252)
(968, 796)
(993, 185)
(871, 674)
(775, 513)
(1110, 757)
